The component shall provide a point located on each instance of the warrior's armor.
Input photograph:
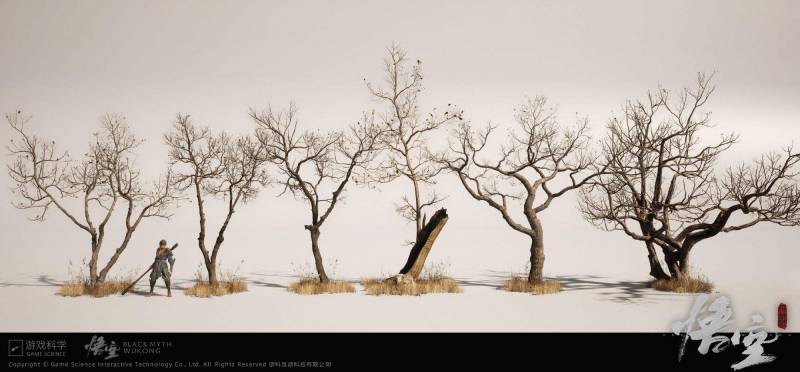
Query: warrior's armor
(164, 256)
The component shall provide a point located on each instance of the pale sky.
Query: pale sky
(67, 62)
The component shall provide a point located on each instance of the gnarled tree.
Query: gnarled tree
(406, 131)
(541, 158)
(89, 191)
(317, 167)
(662, 187)
(216, 165)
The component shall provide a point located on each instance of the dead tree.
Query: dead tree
(541, 158)
(406, 134)
(425, 239)
(216, 165)
(310, 163)
(662, 188)
(88, 192)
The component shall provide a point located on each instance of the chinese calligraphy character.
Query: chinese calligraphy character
(112, 351)
(753, 341)
(719, 318)
(97, 346)
(707, 319)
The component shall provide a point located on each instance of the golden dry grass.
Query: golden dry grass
(521, 284)
(203, 289)
(684, 284)
(79, 284)
(72, 289)
(379, 287)
(228, 282)
(75, 288)
(312, 286)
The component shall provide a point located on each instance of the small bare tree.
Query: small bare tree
(406, 134)
(217, 166)
(312, 162)
(662, 188)
(540, 158)
(45, 177)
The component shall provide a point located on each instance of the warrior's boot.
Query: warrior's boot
(151, 289)
(169, 289)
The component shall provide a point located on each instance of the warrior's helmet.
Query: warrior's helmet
(163, 243)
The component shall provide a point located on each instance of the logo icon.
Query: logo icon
(782, 316)
(15, 348)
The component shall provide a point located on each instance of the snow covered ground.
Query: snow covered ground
(587, 303)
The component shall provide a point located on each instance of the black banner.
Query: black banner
(376, 351)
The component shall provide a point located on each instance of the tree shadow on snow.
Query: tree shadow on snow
(625, 291)
(38, 281)
(262, 283)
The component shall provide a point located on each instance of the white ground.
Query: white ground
(588, 303)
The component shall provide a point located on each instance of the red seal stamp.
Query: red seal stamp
(782, 316)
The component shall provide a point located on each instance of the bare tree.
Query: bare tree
(311, 162)
(541, 157)
(217, 166)
(406, 134)
(45, 177)
(662, 188)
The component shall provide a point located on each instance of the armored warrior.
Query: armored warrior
(160, 268)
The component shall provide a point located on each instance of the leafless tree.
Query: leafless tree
(312, 162)
(662, 188)
(46, 178)
(406, 134)
(540, 158)
(216, 165)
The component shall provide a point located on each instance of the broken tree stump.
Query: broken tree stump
(419, 252)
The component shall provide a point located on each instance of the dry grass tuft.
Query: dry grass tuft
(379, 287)
(521, 284)
(434, 279)
(228, 282)
(684, 284)
(237, 286)
(312, 286)
(72, 289)
(75, 288)
(203, 289)
(79, 284)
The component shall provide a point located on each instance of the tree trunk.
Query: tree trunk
(673, 264)
(212, 272)
(115, 256)
(536, 274)
(211, 266)
(425, 239)
(684, 258)
(418, 223)
(677, 263)
(656, 271)
(678, 260)
(93, 278)
(314, 231)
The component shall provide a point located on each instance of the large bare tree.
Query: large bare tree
(540, 159)
(88, 191)
(662, 187)
(317, 167)
(406, 134)
(216, 165)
